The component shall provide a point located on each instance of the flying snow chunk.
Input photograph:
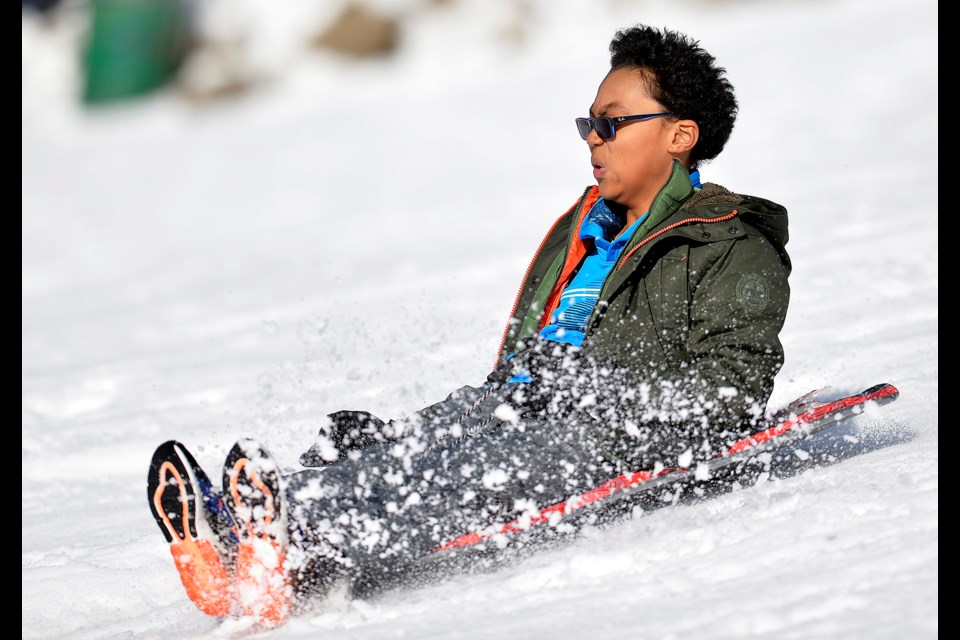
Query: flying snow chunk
(703, 471)
(494, 479)
(507, 413)
(685, 458)
(588, 400)
(327, 450)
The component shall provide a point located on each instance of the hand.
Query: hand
(548, 374)
(527, 362)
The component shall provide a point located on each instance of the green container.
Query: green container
(134, 47)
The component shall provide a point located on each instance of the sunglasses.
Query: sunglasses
(606, 126)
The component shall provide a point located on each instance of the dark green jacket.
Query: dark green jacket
(682, 349)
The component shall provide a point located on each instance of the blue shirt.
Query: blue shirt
(568, 322)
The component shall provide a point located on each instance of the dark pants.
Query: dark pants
(460, 466)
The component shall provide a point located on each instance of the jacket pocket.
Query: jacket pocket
(669, 294)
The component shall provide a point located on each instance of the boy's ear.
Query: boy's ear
(685, 136)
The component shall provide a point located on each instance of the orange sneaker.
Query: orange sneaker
(194, 522)
(253, 489)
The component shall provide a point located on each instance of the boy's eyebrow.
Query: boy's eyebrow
(605, 108)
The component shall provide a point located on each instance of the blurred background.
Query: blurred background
(274, 210)
(96, 52)
(109, 51)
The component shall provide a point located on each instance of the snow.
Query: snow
(350, 235)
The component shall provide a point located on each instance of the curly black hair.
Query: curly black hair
(685, 79)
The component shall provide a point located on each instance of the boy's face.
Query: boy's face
(632, 166)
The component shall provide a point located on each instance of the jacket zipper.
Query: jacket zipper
(679, 223)
(516, 302)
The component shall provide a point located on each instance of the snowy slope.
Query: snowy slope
(205, 272)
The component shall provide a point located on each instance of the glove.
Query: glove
(346, 431)
(543, 375)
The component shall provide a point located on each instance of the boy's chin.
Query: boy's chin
(607, 191)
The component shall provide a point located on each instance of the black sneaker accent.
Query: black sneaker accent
(213, 513)
(253, 490)
(178, 492)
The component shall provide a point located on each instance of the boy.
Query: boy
(645, 333)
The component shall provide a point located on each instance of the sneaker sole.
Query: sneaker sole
(173, 483)
(254, 495)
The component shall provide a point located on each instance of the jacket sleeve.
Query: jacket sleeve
(642, 413)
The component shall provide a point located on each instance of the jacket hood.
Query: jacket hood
(766, 216)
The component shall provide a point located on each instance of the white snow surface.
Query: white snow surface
(350, 235)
